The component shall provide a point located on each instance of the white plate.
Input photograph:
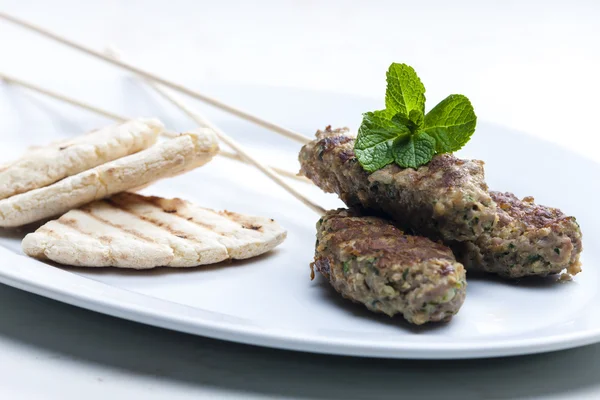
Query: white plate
(271, 301)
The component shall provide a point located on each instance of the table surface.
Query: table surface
(524, 65)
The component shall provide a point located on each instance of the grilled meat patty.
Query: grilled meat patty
(370, 261)
(529, 239)
(448, 200)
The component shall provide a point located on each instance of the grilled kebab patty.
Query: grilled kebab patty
(529, 239)
(448, 199)
(370, 261)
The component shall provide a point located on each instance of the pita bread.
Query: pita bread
(42, 166)
(133, 231)
(165, 159)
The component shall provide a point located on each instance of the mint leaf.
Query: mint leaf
(403, 134)
(405, 91)
(451, 123)
(413, 122)
(373, 146)
(417, 117)
(402, 119)
(383, 114)
(415, 151)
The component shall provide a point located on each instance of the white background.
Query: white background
(530, 65)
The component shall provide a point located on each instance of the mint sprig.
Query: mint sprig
(451, 123)
(412, 151)
(403, 133)
(404, 91)
(376, 136)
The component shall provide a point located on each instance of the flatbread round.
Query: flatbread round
(163, 160)
(42, 166)
(133, 231)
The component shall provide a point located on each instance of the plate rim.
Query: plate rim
(129, 308)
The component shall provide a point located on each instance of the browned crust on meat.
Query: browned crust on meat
(529, 239)
(448, 200)
(533, 216)
(371, 261)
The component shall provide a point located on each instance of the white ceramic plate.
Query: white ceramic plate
(271, 301)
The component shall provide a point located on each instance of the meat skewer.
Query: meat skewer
(368, 260)
(448, 200)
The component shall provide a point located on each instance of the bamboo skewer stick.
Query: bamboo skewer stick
(19, 82)
(280, 171)
(234, 145)
(202, 121)
(119, 118)
(156, 79)
(175, 86)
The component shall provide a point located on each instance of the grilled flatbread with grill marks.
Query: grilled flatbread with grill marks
(42, 166)
(133, 231)
(163, 160)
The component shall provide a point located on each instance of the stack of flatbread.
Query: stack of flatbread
(87, 179)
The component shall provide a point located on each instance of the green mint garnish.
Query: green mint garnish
(416, 150)
(376, 135)
(403, 133)
(404, 91)
(451, 123)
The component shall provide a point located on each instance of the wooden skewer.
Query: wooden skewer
(156, 79)
(120, 118)
(175, 86)
(280, 171)
(18, 82)
(234, 145)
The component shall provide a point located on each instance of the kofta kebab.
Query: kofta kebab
(400, 175)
